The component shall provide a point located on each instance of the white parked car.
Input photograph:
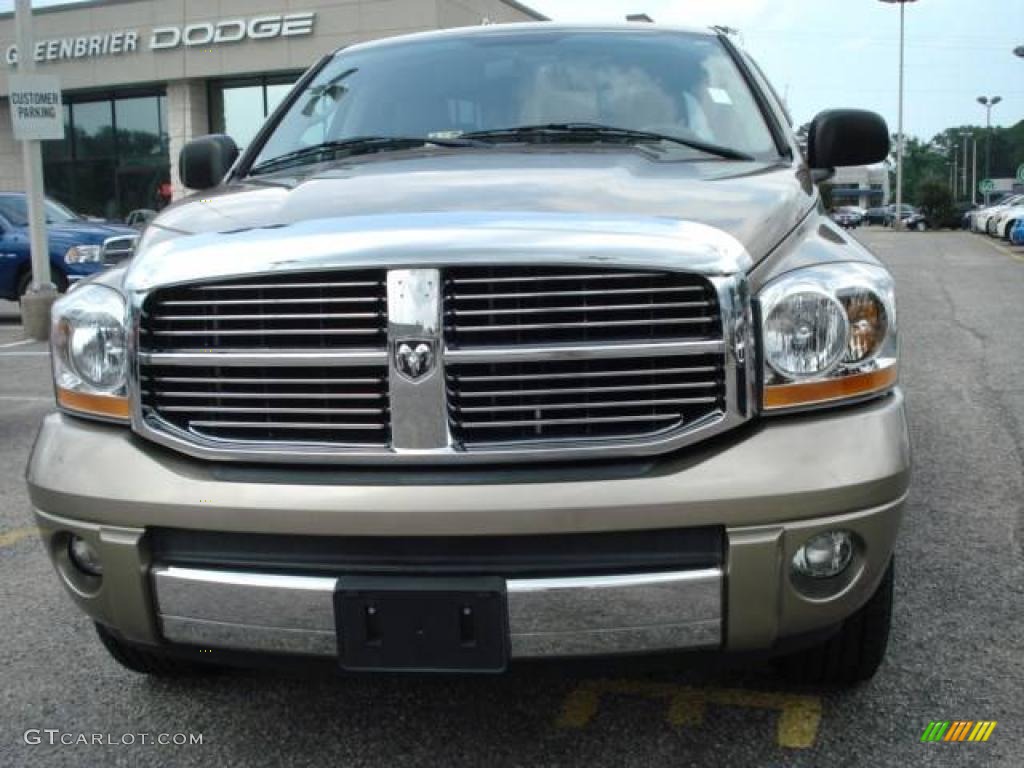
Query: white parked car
(981, 218)
(1001, 224)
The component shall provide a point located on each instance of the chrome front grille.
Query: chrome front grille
(505, 308)
(513, 363)
(272, 404)
(315, 310)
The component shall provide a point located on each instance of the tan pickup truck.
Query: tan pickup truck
(495, 344)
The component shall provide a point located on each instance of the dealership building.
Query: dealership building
(142, 77)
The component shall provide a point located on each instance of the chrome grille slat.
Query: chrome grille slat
(269, 411)
(268, 381)
(588, 390)
(264, 318)
(589, 404)
(289, 425)
(265, 301)
(221, 395)
(575, 351)
(269, 332)
(239, 358)
(582, 324)
(560, 294)
(273, 286)
(553, 277)
(585, 374)
(569, 422)
(587, 308)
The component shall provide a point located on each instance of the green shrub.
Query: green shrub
(936, 202)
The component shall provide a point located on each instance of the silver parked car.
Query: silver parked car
(518, 342)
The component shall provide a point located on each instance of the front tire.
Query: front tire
(855, 652)
(148, 661)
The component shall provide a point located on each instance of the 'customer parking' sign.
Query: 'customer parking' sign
(37, 111)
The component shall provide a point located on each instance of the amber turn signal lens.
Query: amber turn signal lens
(111, 406)
(811, 392)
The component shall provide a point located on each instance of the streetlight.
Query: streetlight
(898, 220)
(964, 135)
(988, 103)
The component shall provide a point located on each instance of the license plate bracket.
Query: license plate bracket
(421, 624)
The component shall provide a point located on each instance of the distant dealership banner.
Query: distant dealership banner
(203, 34)
(37, 111)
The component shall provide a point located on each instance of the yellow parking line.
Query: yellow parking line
(799, 715)
(1006, 251)
(12, 537)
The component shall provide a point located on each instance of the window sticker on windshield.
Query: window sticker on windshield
(719, 96)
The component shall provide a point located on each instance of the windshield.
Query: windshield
(14, 208)
(671, 83)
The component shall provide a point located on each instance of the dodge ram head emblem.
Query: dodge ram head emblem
(414, 359)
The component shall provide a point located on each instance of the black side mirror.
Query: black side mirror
(839, 137)
(204, 162)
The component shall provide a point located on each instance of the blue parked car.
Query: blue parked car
(1017, 234)
(76, 245)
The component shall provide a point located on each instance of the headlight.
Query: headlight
(828, 334)
(83, 254)
(90, 352)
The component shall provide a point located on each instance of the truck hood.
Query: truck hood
(83, 232)
(756, 203)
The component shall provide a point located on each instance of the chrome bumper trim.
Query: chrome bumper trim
(575, 616)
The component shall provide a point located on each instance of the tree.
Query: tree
(936, 202)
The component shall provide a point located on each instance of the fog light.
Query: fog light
(824, 555)
(84, 556)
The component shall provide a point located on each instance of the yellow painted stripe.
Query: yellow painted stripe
(988, 731)
(978, 728)
(799, 715)
(12, 537)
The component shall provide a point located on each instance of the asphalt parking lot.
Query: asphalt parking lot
(957, 650)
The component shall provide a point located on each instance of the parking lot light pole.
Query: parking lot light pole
(974, 172)
(988, 102)
(898, 218)
(964, 135)
(35, 305)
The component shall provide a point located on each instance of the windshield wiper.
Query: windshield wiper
(358, 145)
(596, 132)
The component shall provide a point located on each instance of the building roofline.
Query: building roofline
(522, 8)
(86, 4)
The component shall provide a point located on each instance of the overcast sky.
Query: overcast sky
(844, 53)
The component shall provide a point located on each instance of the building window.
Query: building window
(239, 107)
(114, 157)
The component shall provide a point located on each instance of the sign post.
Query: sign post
(37, 114)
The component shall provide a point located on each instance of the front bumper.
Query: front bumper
(768, 489)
